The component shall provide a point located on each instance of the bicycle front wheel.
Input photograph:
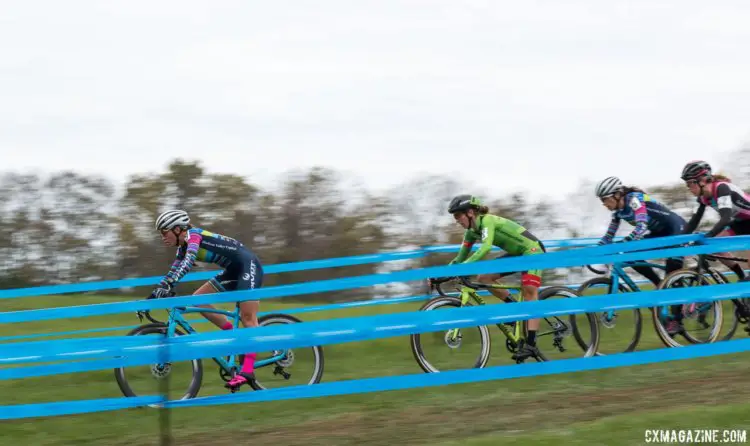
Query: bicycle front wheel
(453, 349)
(620, 331)
(168, 376)
(699, 322)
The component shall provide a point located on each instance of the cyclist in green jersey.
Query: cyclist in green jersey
(514, 239)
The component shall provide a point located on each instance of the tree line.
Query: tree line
(68, 227)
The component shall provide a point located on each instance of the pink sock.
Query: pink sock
(227, 326)
(248, 366)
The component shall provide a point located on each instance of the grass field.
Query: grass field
(610, 407)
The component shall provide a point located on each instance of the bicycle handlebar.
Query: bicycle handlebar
(595, 271)
(438, 282)
(147, 313)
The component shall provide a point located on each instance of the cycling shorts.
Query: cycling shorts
(738, 227)
(532, 277)
(246, 274)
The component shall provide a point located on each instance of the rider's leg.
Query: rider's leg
(731, 264)
(673, 327)
(490, 279)
(250, 278)
(249, 314)
(649, 273)
(530, 283)
(219, 320)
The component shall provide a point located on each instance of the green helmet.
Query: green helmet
(462, 203)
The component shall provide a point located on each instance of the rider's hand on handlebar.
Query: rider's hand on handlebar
(162, 291)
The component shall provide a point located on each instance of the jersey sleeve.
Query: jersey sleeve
(724, 205)
(614, 224)
(488, 237)
(638, 205)
(466, 245)
(184, 263)
(695, 220)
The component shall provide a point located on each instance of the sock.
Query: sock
(227, 326)
(531, 338)
(248, 366)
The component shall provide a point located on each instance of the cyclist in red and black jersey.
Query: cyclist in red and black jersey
(717, 191)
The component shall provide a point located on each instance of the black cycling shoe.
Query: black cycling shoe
(525, 351)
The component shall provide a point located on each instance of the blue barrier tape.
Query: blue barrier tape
(600, 254)
(312, 309)
(75, 407)
(341, 330)
(269, 269)
(389, 383)
(327, 307)
(524, 370)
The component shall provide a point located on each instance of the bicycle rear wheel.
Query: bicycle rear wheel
(554, 330)
(286, 367)
(453, 349)
(740, 315)
(140, 380)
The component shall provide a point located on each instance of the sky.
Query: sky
(500, 95)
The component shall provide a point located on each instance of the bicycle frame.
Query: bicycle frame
(619, 276)
(227, 365)
(469, 292)
(618, 272)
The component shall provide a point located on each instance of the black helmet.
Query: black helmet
(695, 169)
(462, 203)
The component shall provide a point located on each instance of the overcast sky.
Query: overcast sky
(510, 94)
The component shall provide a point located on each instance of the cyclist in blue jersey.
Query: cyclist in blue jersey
(649, 219)
(242, 271)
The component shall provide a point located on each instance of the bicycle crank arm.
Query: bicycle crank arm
(280, 371)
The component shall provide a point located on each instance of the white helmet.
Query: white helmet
(608, 186)
(171, 219)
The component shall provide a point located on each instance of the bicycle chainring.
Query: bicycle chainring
(510, 346)
(288, 359)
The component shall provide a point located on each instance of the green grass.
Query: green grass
(612, 406)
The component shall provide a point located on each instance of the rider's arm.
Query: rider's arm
(724, 202)
(488, 236)
(182, 266)
(611, 231)
(641, 219)
(695, 219)
(466, 245)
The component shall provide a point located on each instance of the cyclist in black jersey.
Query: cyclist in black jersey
(242, 271)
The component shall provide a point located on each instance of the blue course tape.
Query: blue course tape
(269, 269)
(390, 383)
(145, 350)
(600, 254)
(75, 407)
(325, 307)
(420, 380)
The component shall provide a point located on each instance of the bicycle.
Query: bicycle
(704, 274)
(618, 282)
(280, 360)
(513, 331)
